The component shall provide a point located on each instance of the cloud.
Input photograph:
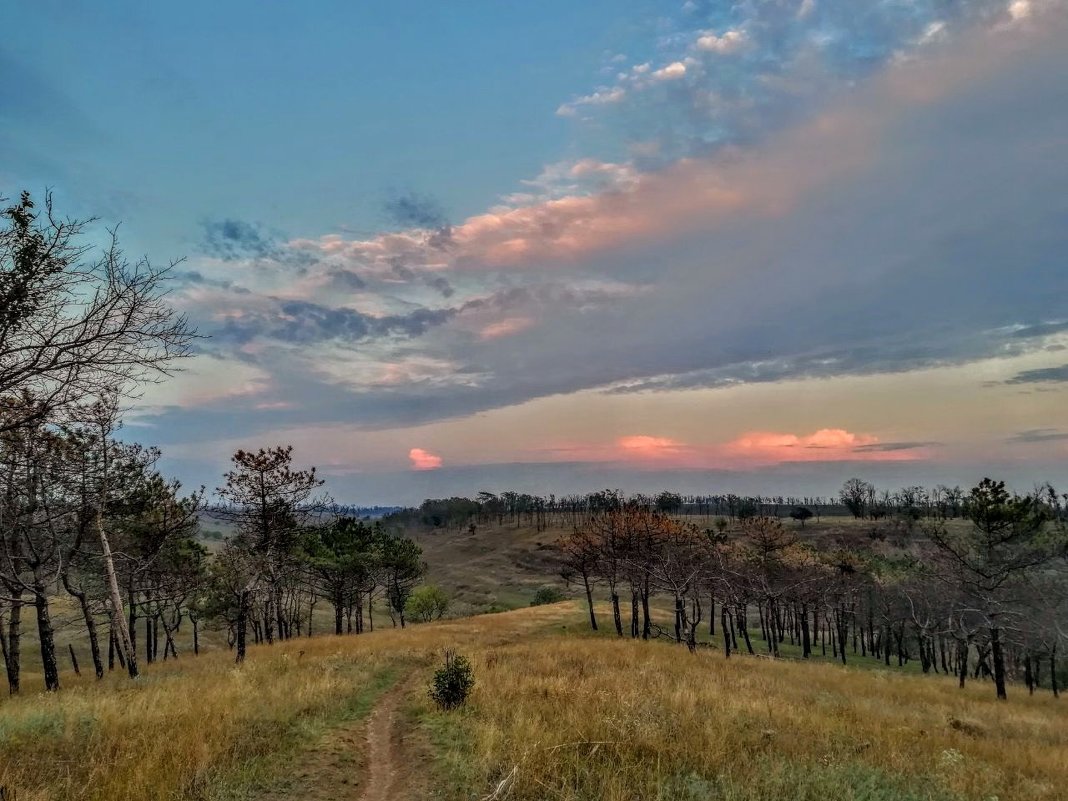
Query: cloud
(771, 261)
(306, 323)
(789, 52)
(1020, 9)
(1039, 329)
(505, 328)
(1039, 435)
(890, 447)
(602, 97)
(1041, 375)
(229, 239)
(728, 42)
(642, 446)
(826, 444)
(413, 210)
(424, 460)
(671, 72)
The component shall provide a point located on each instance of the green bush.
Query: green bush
(426, 603)
(452, 683)
(547, 595)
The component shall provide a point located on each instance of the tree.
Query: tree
(856, 496)
(269, 503)
(801, 514)
(402, 567)
(991, 565)
(72, 328)
(427, 603)
(343, 559)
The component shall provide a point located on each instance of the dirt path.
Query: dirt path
(375, 759)
(383, 769)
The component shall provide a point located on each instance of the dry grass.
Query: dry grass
(200, 728)
(595, 718)
(579, 717)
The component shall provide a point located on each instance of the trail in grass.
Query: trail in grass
(383, 765)
(374, 758)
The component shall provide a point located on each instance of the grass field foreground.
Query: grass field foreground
(555, 714)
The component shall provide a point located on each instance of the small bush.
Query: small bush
(452, 683)
(547, 595)
(426, 603)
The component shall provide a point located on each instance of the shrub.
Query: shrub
(547, 595)
(426, 603)
(453, 682)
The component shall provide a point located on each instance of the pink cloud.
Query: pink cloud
(424, 460)
(824, 445)
(505, 328)
(642, 446)
(749, 449)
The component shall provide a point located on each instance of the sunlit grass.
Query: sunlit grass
(569, 716)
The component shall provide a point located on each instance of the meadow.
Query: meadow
(556, 713)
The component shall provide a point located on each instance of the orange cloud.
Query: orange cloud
(827, 444)
(748, 450)
(642, 446)
(424, 460)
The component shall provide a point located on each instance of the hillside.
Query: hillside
(556, 713)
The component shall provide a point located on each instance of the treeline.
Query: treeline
(986, 594)
(88, 516)
(82, 514)
(858, 499)
(290, 551)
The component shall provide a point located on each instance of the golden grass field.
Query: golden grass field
(556, 714)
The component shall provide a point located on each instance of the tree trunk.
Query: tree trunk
(14, 640)
(999, 663)
(962, 658)
(1053, 672)
(90, 629)
(634, 614)
(647, 621)
(74, 660)
(242, 625)
(617, 617)
(47, 637)
(743, 624)
(118, 617)
(726, 631)
(589, 601)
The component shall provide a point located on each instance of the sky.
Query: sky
(753, 246)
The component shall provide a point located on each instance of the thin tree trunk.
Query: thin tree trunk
(118, 614)
(726, 631)
(589, 601)
(90, 630)
(1053, 672)
(14, 643)
(242, 625)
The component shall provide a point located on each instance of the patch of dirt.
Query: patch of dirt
(377, 759)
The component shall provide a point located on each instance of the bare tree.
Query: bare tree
(74, 326)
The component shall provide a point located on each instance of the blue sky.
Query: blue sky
(447, 247)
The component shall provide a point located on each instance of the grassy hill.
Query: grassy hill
(556, 714)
